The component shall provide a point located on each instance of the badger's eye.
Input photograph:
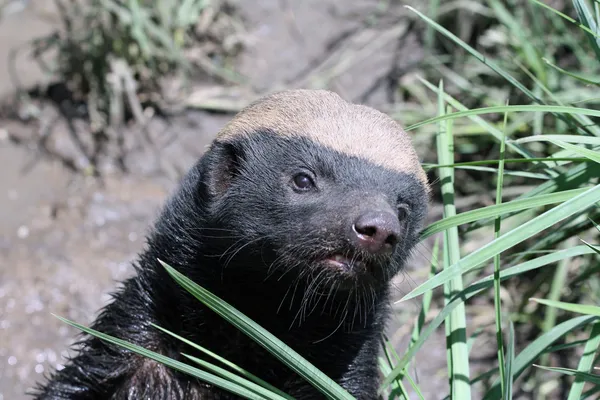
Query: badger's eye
(303, 181)
(403, 210)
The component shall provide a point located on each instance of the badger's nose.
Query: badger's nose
(377, 232)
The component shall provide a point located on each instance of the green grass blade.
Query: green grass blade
(205, 376)
(557, 283)
(595, 141)
(499, 210)
(189, 12)
(571, 74)
(397, 389)
(591, 246)
(476, 54)
(434, 6)
(537, 347)
(582, 120)
(497, 299)
(586, 362)
(587, 377)
(137, 30)
(457, 339)
(574, 177)
(592, 392)
(420, 320)
(493, 66)
(596, 225)
(476, 288)
(590, 154)
(510, 360)
(552, 160)
(513, 25)
(415, 387)
(502, 109)
(587, 19)
(230, 376)
(492, 130)
(521, 174)
(509, 239)
(566, 17)
(228, 363)
(261, 336)
(390, 352)
(576, 308)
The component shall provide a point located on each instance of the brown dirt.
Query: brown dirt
(65, 240)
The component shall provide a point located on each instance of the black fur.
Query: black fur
(237, 227)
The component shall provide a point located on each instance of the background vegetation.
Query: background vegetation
(507, 94)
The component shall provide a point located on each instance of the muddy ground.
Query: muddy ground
(66, 240)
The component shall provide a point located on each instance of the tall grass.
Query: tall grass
(543, 243)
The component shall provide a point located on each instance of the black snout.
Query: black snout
(377, 232)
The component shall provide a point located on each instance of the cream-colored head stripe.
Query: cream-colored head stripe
(330, 121)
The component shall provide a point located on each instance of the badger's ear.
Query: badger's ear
(219, 167)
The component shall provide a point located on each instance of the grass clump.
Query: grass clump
(113, 61)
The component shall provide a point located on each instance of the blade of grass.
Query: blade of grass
(527, 47)
(576, 308)
(586, 362)
(501, 109)
(537, 347)
(558, 282)
(261, 336)
(457, 338)
(506, 161)
(397, 386)
(426, 303)
(587, 377)
(571, 74)
(497, 298)
(415, 387)
(582, 120)
(434, 6)
(591, 246)
(397, 389)
(593, 391)
(590, 154)
(522, 174)
(497, 133)
(587, 20)
(565, 138)
(570, 227)
(476, 54)
(230, 376)
(205, 376)
(574, 177)
(566, 17)
(476, 288)
(509, 239)
(493, 66)
(500, 209)
(510, 360)
(228, 363)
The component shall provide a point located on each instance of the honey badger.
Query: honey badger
(299, 214)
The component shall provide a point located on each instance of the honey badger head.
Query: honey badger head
(306, 185)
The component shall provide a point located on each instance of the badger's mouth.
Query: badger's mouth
(346, 264)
